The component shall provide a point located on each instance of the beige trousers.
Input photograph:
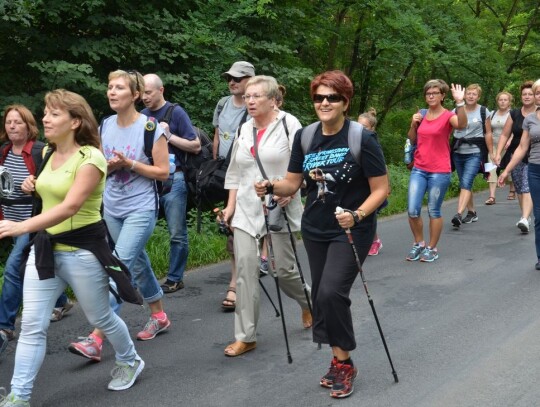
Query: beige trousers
(247, 284)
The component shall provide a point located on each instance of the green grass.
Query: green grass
(208, 247)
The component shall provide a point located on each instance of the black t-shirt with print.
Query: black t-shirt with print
(346, 183)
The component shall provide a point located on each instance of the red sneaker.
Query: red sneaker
(343, 383)
(86, 347)
(328, 379)
(375, 247)
(152, 328)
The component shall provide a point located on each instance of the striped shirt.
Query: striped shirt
(15, 165)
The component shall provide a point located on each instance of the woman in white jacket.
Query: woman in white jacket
(274, 133)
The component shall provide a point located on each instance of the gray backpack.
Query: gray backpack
(354, 138)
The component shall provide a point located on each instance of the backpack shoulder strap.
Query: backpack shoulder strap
(149, 132)
(37, 153)
(285, 126)
(168, 114)
(307, 136)
(354, 139)
(221, 104)
(483, 117)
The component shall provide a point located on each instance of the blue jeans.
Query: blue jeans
(130, 235)
(174, 205)
(534, 185)
(435, 184)
(11, 298)
(467, 166)
(90, 283)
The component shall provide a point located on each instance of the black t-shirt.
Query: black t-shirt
(346, 183)
(517, 131)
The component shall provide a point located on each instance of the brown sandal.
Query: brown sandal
(511, 195)
(238, 348)
(490, 201)
(228, 304)
(307, 319)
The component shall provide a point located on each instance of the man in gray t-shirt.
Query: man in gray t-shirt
(231, 113)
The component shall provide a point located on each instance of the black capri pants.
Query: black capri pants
(333, 271)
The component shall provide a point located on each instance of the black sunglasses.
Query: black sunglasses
(332, 98)
(229, 78)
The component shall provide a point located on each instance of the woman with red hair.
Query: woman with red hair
(335, 178)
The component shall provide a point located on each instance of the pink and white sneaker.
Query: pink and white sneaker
(375, 247)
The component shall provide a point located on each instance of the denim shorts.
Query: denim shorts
(435, 184)
(467, 166)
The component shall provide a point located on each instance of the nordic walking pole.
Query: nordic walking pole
(269, 298)
(225, 230)
(274, 273)
(293, 244)
(340, 210)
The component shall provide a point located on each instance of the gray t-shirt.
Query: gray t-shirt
(532, 125)
(474, 129)
(227, 121)
(497, 125)
(126, 191)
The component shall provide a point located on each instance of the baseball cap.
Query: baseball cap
(240, 69)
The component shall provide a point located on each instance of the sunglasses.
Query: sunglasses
(136, 75)
(331, 98)
(229, 78)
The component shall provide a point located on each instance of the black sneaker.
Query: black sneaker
(471, 217)
(537, 266)
(456, 220)
(171, 286)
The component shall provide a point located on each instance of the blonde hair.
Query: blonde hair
(371, 117)
(134, 79)
(269, 84)
(476, 87)
(535, 86)
(510, 97)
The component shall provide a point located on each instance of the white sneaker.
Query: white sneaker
(523, 225)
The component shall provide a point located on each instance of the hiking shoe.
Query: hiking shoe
(10, 400)
(523, 225)
(263, 269)
(456, 220)
(415, 252)
(537, 266)
(471, 217)
(375, 247)
(344, 380)
(3, 342)
(86, 347)
(429, 255)
(328, 379)
(152, 328)
(59, 312)
(125, 375)
(172, 286)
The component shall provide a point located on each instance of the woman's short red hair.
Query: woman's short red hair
(336, 80)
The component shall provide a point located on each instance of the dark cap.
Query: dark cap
(240, 69)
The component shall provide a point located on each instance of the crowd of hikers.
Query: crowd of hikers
(82, 206)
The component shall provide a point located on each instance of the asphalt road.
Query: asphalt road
(462, 331)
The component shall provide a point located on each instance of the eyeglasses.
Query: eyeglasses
(432, 94)
(255, 96)
(331, 98)
(229, 78)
